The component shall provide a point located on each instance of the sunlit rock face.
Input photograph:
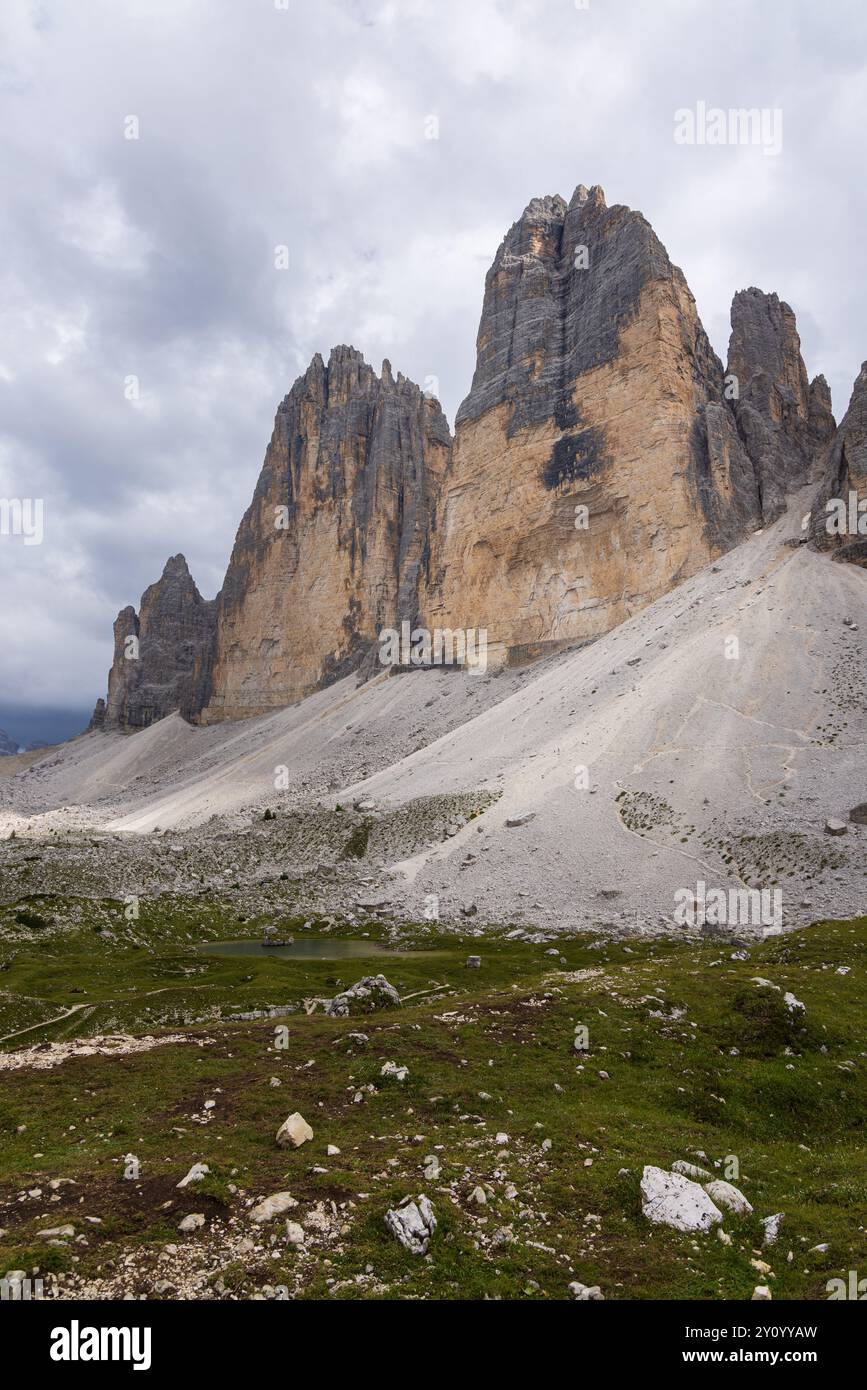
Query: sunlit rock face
(602, 455)
(597, 461)
(331, 548)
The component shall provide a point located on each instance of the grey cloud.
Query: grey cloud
(306, 127)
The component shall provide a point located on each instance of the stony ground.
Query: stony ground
(709, 738)
(530, 1151)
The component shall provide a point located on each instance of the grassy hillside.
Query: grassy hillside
(697, 1057)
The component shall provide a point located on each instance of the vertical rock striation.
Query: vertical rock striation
(595, 387)
(784, 421)
(602, 455)
(331, 548)
(839, 519)
(162, 654)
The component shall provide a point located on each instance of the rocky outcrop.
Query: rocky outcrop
(839, 518)
(8, 746)
(596, 460)
(602, 455)
(333, 544)
(784, 421)
(162, 654)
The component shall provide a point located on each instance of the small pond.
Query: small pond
(337, 949)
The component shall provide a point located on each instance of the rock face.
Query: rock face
(595, 388)
(602, 455)
(332, 545)
(784, 421)
(162, 654)
(839, 518)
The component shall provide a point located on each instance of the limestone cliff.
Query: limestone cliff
(602, 455)
(784, 421)
(162, 654)
(839, 518)
(586, 478)
(331, 548)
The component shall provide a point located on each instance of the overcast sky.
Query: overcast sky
(305, 125)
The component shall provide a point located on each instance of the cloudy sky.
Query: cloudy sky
(306, 124)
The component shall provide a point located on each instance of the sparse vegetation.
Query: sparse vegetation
(698, 1057)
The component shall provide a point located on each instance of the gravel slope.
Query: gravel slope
(687, 753)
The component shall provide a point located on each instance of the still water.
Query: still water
(338, 949)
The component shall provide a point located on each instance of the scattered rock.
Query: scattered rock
(371, 992)
(400, 1073)
(669, 1199)
(835, 827)
(520, 818)
(761, 1294)
(196, 1173)
(273, 1206)
(585, 1293)
(192, 1222)
(294, 1132)
(725, 1195)
(691, 1170)
(412, 1223)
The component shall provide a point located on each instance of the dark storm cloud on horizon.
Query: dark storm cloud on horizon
(306, 127)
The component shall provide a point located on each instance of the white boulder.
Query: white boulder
(196, 1173)
(272, 1206)
(294, 1132)
(725, 1195)
(691, 1170)
(669, 1199)
(412, 1223)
